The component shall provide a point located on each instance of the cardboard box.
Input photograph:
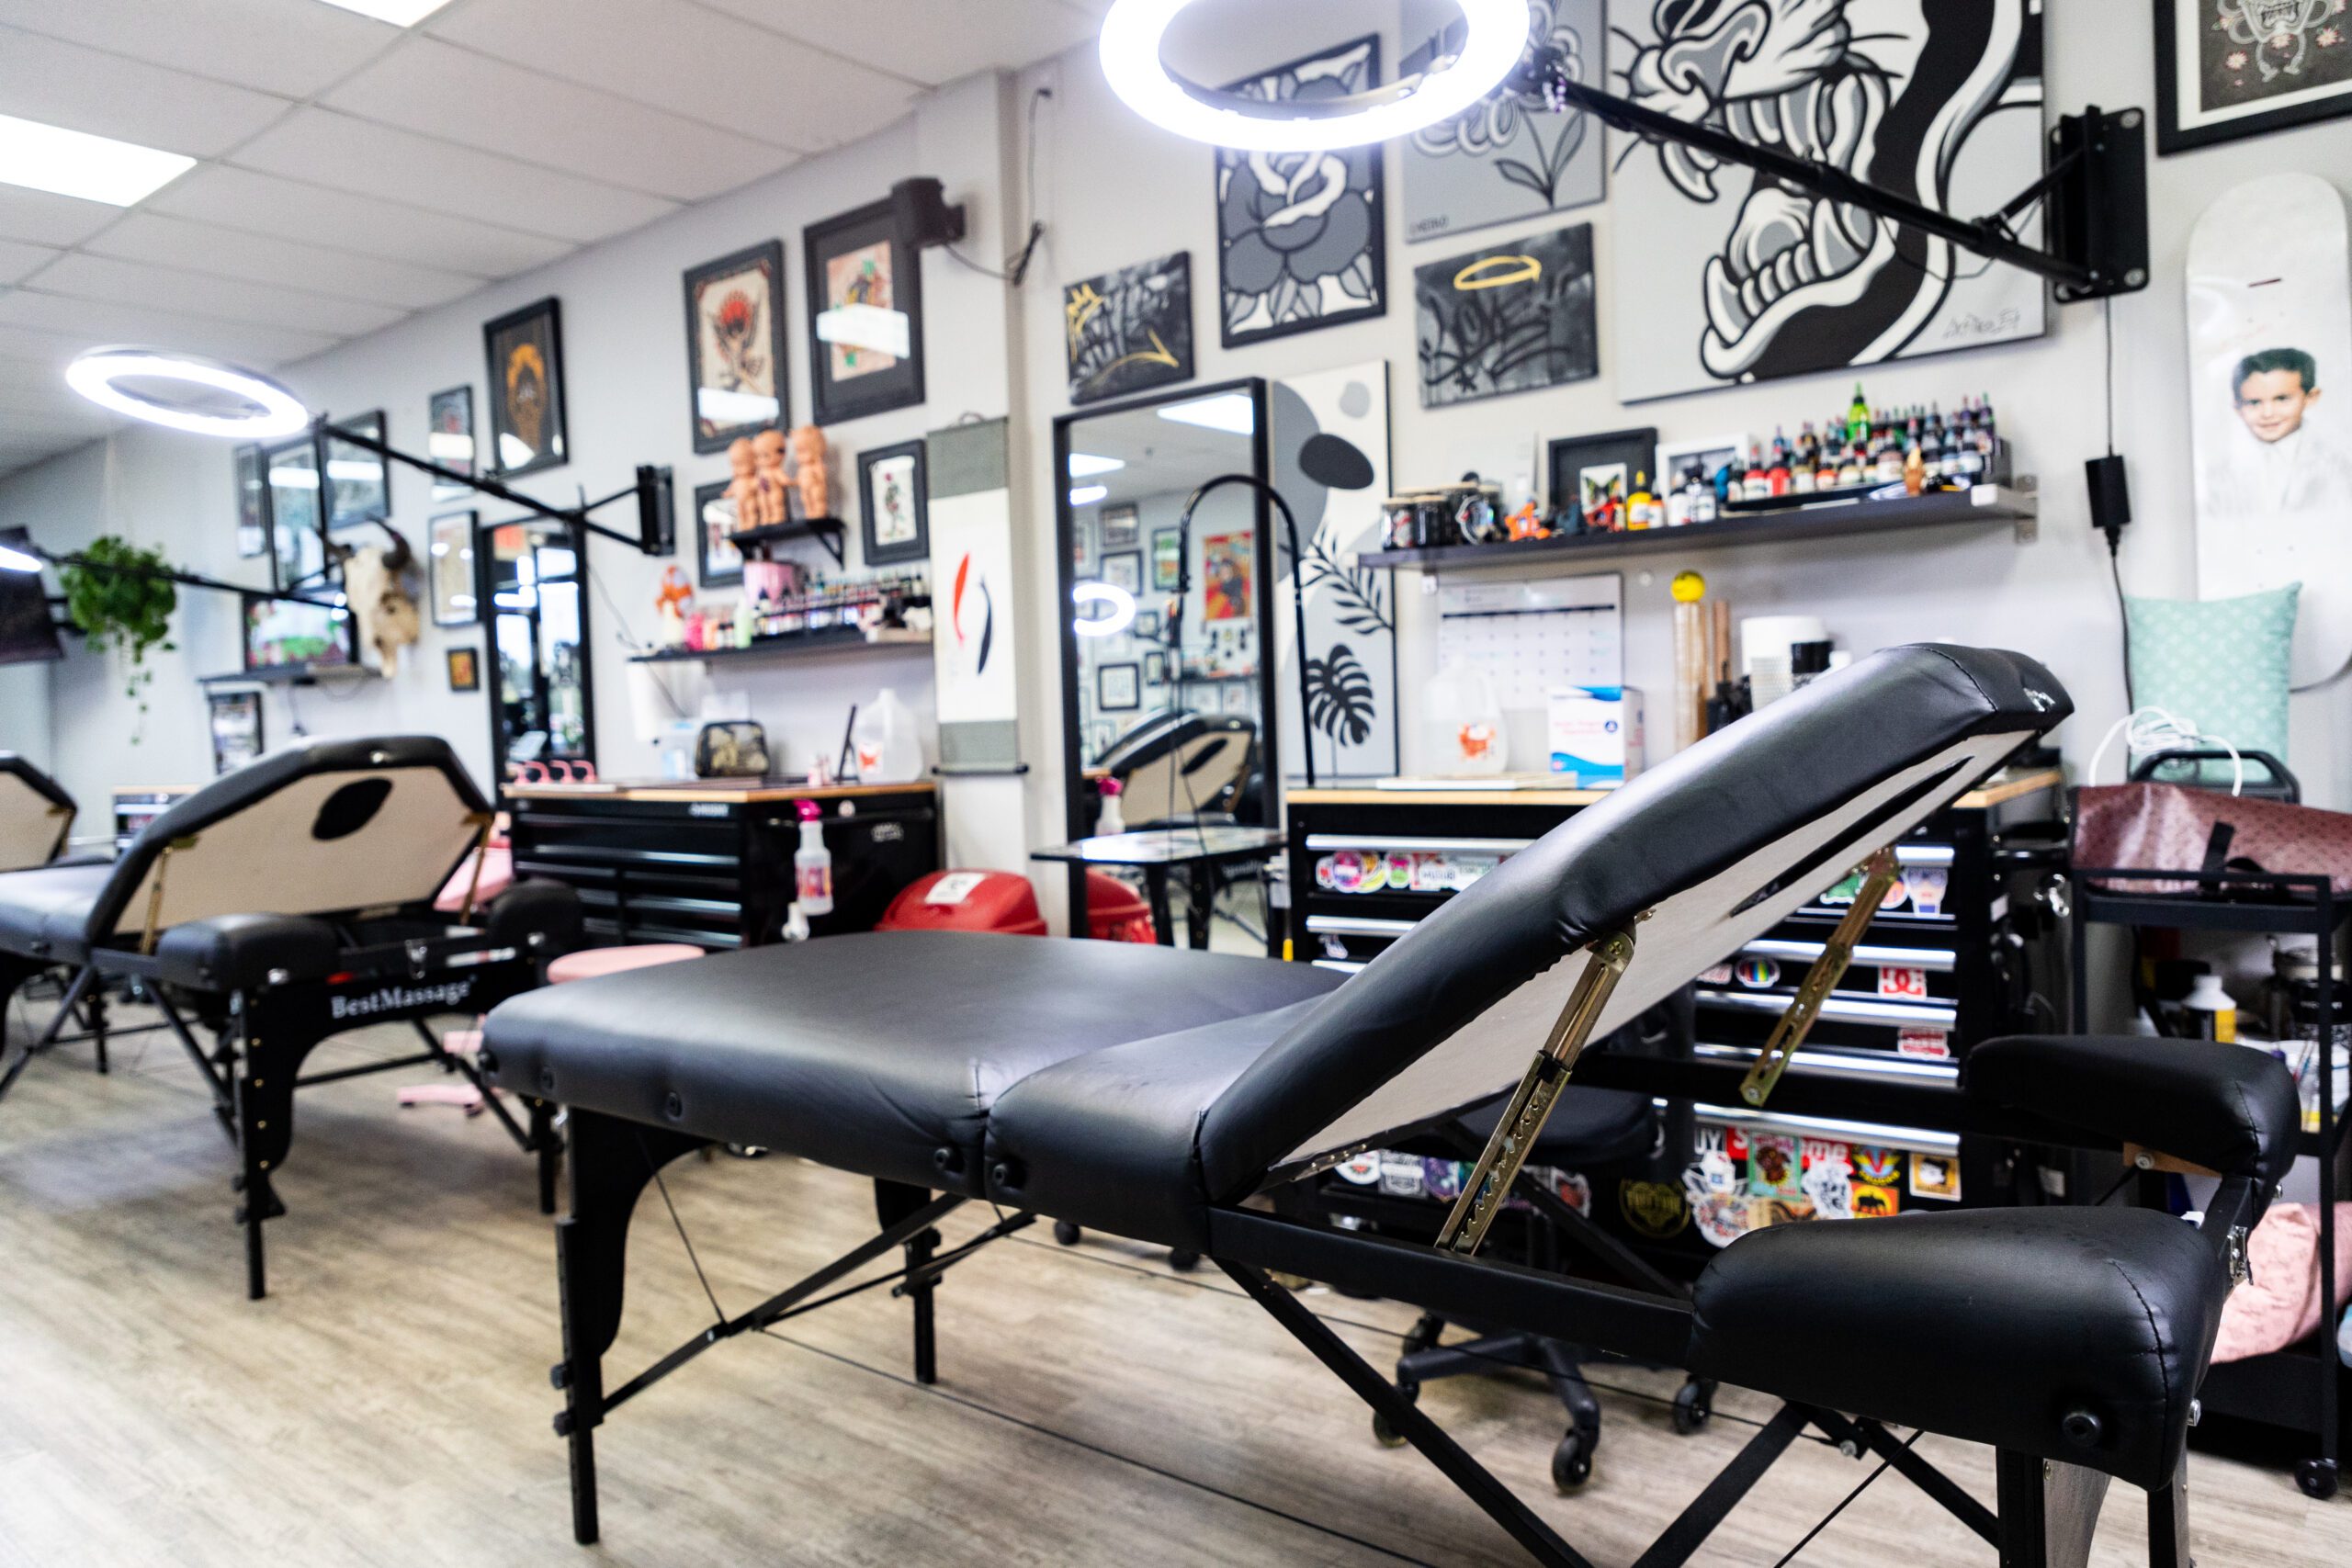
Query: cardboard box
(1596, 734)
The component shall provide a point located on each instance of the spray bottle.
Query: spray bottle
(1109, 821)
(812, 865)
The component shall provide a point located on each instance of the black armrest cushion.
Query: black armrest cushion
(231, 953)
(548, 910)
(2225, 1107)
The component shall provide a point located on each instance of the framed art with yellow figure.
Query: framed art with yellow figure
(735, 346)
(865, 316)
(1225, 570)
(527, 413)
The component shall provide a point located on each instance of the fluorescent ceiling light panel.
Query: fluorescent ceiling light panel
(399, 13)
(1232, 412)
(1086, 464)
(74, 163)
(1087, 495)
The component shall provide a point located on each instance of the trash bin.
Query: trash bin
(1002, 902)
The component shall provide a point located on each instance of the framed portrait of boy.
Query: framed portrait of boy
(524, 349)
(865, 316)
(2247, 69)
(735, 346)
(891, 500)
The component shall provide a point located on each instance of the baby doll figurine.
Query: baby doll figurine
(744, 492)
(767, 455)
(808, 471)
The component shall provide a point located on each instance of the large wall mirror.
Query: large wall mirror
(1172, 691)
(531, 579)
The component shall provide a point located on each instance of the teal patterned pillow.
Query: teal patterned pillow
(2218, 664)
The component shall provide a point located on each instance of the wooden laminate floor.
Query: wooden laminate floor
(388, 1403)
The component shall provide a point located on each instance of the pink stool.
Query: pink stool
(592, 961)
(497, 876)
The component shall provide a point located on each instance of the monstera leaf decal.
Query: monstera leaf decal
(1340, 699)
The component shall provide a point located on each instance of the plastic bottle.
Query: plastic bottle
(1642, 509)
(1858, 419)
(2209, 1008)
(1109, 821)
(888, 751)
(812, 863)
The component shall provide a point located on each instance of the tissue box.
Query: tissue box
(1596, 734)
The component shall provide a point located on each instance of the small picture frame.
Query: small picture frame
(358, 489)
(1101, 736)
(450, 542)
(1594, 475)
(1154, 670)
(1123, 569)
(253, 502)
(2241, 72)
(1121, 526)
(235, 718)
(893, 509)
(717, 563)
(449, 437)
(864, 308)
(524, 349)
(1709, 455)
(1233, 696)
(465, 669)
(1167, 560)
(1118, 688)
(1146, 625)
(735, 372)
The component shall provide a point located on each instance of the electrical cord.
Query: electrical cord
(1016, 268)
(2115, 535)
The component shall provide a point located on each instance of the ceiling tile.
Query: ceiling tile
(923, 39)
(441, 90)
(334, 150)
(48, 220)
(661, 53)
(232, 253)
(26, 345)
(16, 261)
(294, 48)
(83, 89)
(200, 294)
(85, 323)
(292, 209)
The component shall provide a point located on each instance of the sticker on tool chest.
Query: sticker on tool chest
(1898, 981)
(1934, 1045)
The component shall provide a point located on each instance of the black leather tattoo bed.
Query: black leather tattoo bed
(1165, 1095)
(35, 814)
(279, 905)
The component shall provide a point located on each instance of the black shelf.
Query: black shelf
(793, 644)
(291, 675)
(826, 531)
(2188, 913)
(1982, 506)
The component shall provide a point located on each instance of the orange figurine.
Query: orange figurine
(744, 492)
(808, 471)
(1527, 523)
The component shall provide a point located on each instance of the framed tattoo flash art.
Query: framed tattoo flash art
(450, 540)
(526, 352)
(864, 315)
(253, 502)
(890, 498)
(717, 563)
(2232, 68)
(357, 488)
(735, 346)
(449, 437)
(1302, 241)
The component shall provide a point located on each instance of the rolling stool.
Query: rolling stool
(1587, 1127)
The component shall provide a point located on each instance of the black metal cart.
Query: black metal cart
(2297, 1387)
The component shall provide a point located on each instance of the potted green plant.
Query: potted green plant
(111, 596)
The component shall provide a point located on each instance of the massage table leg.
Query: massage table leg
(84, 979)
(893, 1201)
(2169, 1522)
(2048, 1511)
(547, 1144)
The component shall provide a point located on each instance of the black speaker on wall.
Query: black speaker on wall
(924, 217)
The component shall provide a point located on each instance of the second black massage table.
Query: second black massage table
(282, 904)
(1165, 1096)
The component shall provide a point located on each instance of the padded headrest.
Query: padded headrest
(1156, 736)
(2227, 1107)
(1706, 852)
(320, 828)
(36, 814)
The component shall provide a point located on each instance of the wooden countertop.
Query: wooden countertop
(1999, 791)
(701, 791)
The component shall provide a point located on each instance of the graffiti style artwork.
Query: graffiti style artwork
(1301, 236)
(2232, 68)
(1131, 330)
(1509, 319)
(1729, 278)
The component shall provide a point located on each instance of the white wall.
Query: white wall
(1114, 191)
(625, 377)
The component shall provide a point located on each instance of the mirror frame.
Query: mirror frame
(1078, 815)
(485, 599)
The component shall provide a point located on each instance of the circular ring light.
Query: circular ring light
(1117, 619)
(1130, 51)
(97, 375)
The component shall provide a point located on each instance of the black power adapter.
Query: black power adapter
(2110, 496)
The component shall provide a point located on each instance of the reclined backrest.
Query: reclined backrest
(35, 814)
(1715, 845)
(323, 828)
(1181, 765)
